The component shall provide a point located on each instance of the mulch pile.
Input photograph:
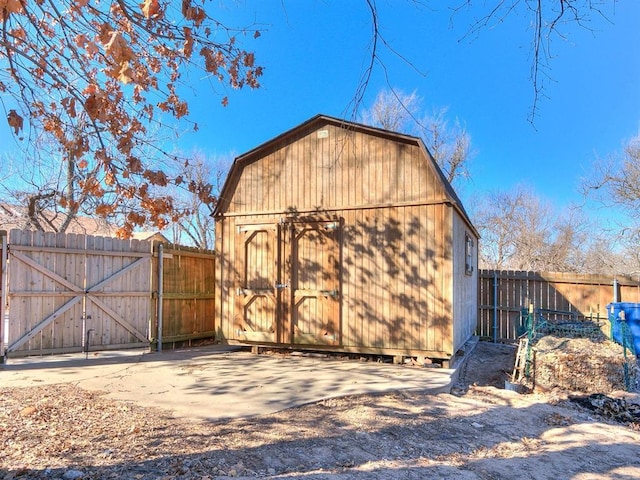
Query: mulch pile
(582, 365)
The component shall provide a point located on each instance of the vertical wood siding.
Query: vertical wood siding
(397, 282)
(344, 169)
(465, 285)
(393, 279)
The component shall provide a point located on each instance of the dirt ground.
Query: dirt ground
(480, 431)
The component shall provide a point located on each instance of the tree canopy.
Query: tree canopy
(522, 232)
(95, 80)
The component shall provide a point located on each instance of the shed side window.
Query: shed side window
(468, 263)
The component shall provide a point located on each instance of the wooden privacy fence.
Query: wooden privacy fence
(188, 299)
(68, 293)
(503, 294)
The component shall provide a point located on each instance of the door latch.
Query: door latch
(282, 285)
(329, 293)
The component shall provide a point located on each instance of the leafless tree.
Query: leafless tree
(615, 181)
(52, 195)
(195, 226)
(48, 194)
(549, 20)
(393, 110)
(600, 255)
(449, 143)
(521, 232)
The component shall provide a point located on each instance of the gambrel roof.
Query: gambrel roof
(317, 123)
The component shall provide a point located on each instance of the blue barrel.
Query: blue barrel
(632, 317)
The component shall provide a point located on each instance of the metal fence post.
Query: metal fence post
(495, 306)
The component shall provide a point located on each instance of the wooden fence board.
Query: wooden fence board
(188, 303)
(3, 292)
(120, 292)
(70, 292)
(581, 295)
(59, 294)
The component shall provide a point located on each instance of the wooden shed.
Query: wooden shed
(340, 236)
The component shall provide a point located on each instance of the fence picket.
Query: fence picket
(584, 295)
(3, 293)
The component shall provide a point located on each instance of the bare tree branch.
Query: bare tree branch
(547, 19)
(521, 232)
(96, 77)
(449, 145)
(616, 181)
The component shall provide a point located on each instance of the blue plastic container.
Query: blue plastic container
(632, 317)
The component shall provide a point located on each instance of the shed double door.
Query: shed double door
(289, 290)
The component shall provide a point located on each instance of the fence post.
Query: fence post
(3, 294)
(160, 293)
(495, 306)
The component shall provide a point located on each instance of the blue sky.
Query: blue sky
(315, 51)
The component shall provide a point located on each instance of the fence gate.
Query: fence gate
(69, 293)
(3, 291)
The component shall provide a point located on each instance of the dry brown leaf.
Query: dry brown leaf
(126, 73)
(69, 104)
(15, 121)
(188, 41)
(25, 412)
(150, 8)
(186, 4)
(196, 14)
(134, 164)
(118, 48)
(81, 40)
(7, 7)
(104, 35)
(94, 105)
(110, 178)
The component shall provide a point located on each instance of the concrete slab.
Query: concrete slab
(214, 383)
